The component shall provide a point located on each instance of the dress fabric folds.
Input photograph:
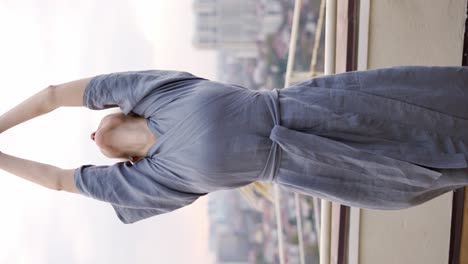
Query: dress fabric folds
(391, 138)
(387, 138)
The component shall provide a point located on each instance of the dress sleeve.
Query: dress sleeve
(133, 190)
(127, 89)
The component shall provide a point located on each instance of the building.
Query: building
(226, 24)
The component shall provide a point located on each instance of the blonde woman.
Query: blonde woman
(387, 138)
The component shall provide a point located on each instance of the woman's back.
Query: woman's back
(211, 136)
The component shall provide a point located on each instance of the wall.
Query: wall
(416, 32)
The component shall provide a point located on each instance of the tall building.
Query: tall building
(226, 24)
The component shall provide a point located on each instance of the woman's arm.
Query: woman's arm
(36, 105)
(45, 101)
(70, 93)
(43, 174)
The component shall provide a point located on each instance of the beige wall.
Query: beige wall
(415, 32)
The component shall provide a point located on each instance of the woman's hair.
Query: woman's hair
(262, 188)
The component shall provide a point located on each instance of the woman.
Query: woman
(387, 138)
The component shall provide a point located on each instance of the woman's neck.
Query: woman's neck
(141, 138)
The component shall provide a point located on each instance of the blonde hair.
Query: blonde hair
(263, 188)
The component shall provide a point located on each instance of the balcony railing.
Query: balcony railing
(322, 227)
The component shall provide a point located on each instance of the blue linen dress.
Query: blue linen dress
(387, 138)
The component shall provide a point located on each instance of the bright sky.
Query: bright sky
(51, 42)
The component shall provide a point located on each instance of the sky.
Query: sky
(51, 42)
